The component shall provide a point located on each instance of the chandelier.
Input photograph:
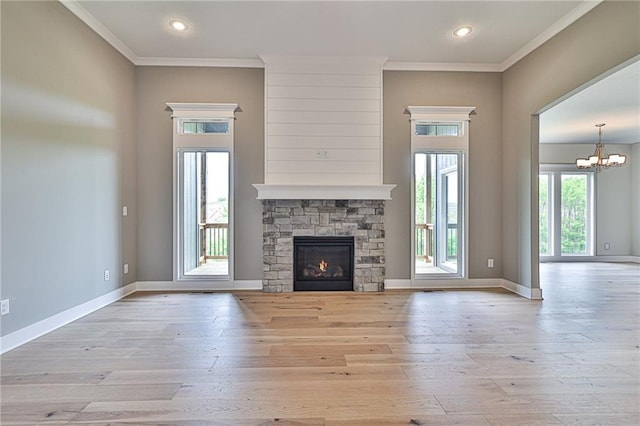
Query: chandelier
(599, 160)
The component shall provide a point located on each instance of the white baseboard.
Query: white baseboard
(528, 292)
(397, 284)
(187, 285)
(247, 285)
(47, 325)
(461, 283)
(436, 284)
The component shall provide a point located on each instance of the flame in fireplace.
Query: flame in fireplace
(323, 266)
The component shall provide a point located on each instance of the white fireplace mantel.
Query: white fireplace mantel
(323, 192)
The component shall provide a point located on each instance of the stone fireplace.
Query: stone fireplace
(323, 164)
(285, 219)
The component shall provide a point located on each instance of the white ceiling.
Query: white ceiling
(613, 100)
(411, 34)
(404, 31)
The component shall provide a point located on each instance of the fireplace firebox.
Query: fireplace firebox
(323, 263)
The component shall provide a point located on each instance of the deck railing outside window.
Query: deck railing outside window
(214, 239)
(424, 241)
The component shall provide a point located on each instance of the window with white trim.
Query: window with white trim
(203, 202)
(439, 147)
(566, 211)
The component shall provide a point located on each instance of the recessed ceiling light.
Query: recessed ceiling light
(463, 31)
(178, 25)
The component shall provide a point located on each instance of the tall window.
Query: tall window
(566, 212)
(439, 149)
(544, 204)
(438, 212)
(203, 201)
(204, 204)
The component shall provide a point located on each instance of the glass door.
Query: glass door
(438, 213)
(204, 214)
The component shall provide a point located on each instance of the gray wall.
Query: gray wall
(68, 158)
(482, 90)
(598, 41)
(155, 86)
(613, 194)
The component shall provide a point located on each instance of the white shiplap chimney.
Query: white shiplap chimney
(323, 128)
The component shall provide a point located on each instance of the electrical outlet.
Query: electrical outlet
(107, 275)
(125, 211)
(4, 307)
(125, 268)
(607, 246)
(489, 263)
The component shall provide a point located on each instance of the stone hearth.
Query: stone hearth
(284, 219)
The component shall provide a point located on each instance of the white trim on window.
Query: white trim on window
(202, 142)
(555, 173)
(443, 145)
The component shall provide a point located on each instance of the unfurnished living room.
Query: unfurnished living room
(320, 212)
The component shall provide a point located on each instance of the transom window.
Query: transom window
(205, 127)
(438, 129)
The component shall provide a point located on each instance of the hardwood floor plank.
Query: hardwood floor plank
(211, 409)
(78, 393)
(523, 370)
(409, 359)
(321, 388)
(521, 404)
(296, 350)
(407, 420)
(284, 374)
(528, 419)
(599, 419)
(89, 378)
(628, 402)
(38, 412)
(552, 385)
(286, 361)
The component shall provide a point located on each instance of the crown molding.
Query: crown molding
(378, 60)
(441, 66)
(550, 32)
(200, 62)
(100, 29)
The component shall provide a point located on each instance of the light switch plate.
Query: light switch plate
(4, 307)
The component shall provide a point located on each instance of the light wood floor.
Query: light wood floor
(401, 358)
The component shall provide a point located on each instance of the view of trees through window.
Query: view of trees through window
(544, 206)
(572, 215)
